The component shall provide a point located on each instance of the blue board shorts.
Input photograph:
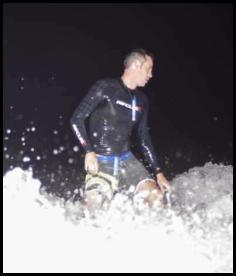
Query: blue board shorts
(117, 173)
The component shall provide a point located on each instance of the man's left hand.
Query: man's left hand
(163, 182)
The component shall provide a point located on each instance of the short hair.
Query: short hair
(139, 54)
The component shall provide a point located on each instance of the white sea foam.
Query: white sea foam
(43, 233)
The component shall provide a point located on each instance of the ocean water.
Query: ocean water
(45, 233)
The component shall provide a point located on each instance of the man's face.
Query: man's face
(144, 72)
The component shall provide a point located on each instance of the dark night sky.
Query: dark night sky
(61, 49)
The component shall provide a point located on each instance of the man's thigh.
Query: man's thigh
(134, 173)
(104, 183)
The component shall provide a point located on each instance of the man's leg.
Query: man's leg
(146, 187)
(98, 190)
(93, 200)
(150, 191)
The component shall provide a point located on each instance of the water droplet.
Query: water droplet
(70, 160)
(19, 117)
(26, 159)
(123, 171)
(178, 154)
(55, 151)
(75, 148)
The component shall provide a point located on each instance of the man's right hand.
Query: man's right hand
(91, 163)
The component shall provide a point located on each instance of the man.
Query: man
(115, 111)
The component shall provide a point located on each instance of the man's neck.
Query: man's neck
(127, 80)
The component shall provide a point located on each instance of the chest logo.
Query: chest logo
(137, 108)
(132, 106)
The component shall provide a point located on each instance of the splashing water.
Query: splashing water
(43, 233)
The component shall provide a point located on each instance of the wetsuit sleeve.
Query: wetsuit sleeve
(145, 142)
(94, 96)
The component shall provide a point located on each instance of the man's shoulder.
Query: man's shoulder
(106, 82)
(103, 86)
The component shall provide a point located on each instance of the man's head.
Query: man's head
(139, 64)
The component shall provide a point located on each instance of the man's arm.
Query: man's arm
(145, 142)
(147, 148)
(82, 112)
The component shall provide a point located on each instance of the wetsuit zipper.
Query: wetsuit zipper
(128, 90)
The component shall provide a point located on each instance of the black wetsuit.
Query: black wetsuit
(114, 112)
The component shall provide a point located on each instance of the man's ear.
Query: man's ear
(136, 64)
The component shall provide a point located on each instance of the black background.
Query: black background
(53, 53)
